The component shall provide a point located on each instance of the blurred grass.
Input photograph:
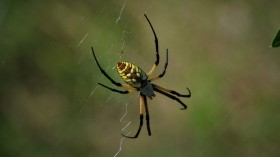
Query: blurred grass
(219, 49)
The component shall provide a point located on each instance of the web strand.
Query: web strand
(122, 121)
(119, 17)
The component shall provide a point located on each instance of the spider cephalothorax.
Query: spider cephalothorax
(137, 80)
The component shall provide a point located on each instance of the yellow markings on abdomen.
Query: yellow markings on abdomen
(130, 73)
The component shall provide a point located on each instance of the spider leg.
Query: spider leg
(107, 76)
(172, 91)
(171, 97)
(164, 70)
(119, 91)
(143, 101)
(157, 51)
(126, 86)
(147, 115)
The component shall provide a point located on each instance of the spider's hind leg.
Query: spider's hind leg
(157, 50)
(164, 70)
(119, 91)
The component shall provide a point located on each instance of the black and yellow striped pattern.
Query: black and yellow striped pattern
(131, 74)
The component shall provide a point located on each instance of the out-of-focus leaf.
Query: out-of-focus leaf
(276, 40)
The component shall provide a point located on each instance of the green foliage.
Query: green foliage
(276, 40)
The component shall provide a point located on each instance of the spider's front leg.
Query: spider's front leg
(143, 108)
(168, 93)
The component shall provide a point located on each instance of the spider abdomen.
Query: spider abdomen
(131, 74)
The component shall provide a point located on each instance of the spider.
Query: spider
(137, 80)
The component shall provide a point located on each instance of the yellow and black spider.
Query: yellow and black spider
(137, 80)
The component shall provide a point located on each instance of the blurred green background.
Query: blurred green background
(51, 104)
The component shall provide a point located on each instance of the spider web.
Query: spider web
(51, 104)
(110, 67)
